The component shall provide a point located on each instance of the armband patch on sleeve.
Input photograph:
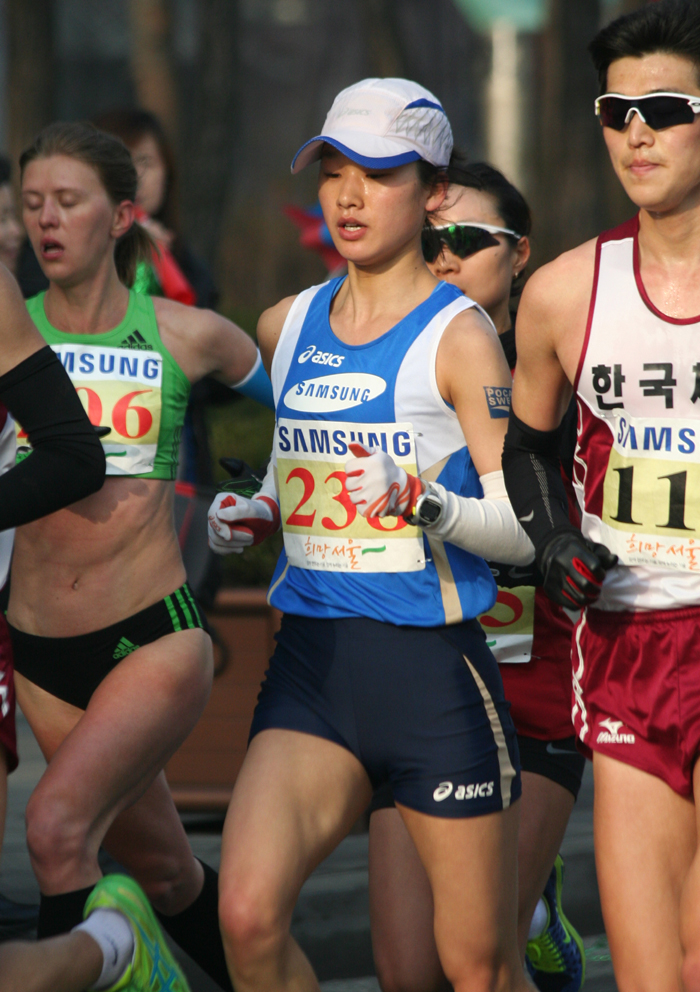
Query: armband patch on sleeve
(498, 400)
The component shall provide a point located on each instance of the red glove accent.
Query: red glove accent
(392, 493)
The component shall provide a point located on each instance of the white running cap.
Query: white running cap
(383, 123)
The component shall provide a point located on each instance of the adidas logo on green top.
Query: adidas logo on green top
(124, 648)
(136, 340)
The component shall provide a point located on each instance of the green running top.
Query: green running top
(130, 383)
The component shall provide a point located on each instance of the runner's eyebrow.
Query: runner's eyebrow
(60, 189)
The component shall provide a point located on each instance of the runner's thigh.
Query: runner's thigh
(644, 845)
(136, 719)
(472, 867)
(296, 797)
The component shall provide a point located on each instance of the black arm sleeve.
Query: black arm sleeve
(531, 470)
(68, 460)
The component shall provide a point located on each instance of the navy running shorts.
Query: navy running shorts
(559, 761)
(421, 708)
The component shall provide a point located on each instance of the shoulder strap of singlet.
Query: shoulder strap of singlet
(35, 307)
(289, 336)
(620, 233)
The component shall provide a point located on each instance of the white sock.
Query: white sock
(112, 932)
(540, 919)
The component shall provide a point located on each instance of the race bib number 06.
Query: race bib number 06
(651, 493)
(120, 389)
(322, 526)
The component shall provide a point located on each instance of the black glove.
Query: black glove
(573, 568)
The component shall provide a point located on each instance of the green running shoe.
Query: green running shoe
(556, 960)
(152, 968)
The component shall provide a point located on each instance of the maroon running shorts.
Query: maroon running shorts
(539, 691)
(637, 690)
(8, 736)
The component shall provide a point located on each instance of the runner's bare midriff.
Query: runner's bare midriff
(96, 562)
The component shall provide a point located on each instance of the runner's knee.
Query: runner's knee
(166, 879)
(482, 968)
(56, 835)
(251, 924)
(399, 975)
(690, 970)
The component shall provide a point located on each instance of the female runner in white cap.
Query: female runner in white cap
(391, 394)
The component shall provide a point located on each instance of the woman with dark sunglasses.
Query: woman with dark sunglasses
(390, 390)
(479, 242)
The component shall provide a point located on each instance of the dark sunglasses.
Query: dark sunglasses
(462, 239)
(658, 110)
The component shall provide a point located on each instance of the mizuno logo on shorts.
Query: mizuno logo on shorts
(611, 734)
(480, 791)
(320, 357)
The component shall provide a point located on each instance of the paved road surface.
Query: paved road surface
(332, 918)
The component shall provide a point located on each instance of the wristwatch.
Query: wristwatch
(428, 508)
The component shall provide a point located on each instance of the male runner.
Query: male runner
(634, 363)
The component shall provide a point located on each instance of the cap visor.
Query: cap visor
(311, 151)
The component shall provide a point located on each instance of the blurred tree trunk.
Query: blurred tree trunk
(151, 60)
(208, 148)
(576, 194)
(385, 51)
(30, 71)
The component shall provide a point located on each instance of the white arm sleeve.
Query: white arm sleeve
(486, 527)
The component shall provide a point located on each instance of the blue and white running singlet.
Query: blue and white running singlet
(335, 563)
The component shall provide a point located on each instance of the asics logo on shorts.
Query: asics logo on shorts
(321, 357)
(611, 734)
(480, 791)
(4, 701)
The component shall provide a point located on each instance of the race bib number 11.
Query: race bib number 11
(323, 528)
(651, 493)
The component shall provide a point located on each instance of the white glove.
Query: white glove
(236, 522)
(377, 485)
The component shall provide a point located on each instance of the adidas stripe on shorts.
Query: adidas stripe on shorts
(71, 668)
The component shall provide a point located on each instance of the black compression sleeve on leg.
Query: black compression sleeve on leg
(59, 914)
(68, 461)
(532, 474)
(196, 930)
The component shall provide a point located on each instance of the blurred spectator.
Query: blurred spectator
(157, 197)
(176, 272)
(10, 229)
(15, 251)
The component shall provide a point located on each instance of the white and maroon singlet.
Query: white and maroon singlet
(637, 462)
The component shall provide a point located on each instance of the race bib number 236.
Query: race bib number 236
(322, 526)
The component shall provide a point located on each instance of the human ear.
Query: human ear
(521, 255)
(123, 218)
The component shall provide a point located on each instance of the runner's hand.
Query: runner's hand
(574, 568)
(377, 485)
(236, 522)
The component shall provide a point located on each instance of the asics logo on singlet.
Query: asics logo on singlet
(321, 357)
(611, 734)
(473, 791)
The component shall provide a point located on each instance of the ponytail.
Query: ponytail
(135, 246)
